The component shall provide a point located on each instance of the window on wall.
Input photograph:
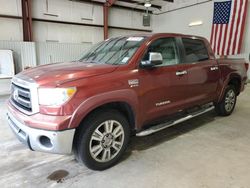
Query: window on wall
(168, 49)
(195, 50)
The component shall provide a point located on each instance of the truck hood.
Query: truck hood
(59, 73)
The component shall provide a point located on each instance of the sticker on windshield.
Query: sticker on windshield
(125, 59)
(137, 39)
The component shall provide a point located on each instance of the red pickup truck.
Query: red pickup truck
(131, 85)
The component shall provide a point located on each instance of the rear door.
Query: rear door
(202, 70)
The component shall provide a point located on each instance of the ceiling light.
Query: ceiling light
(196, 23)
(147, 4)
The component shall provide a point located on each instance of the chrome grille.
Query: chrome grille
(21, 97)
(24, 94)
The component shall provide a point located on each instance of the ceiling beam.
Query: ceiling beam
(110, 2)
(140, 3)
(114, 5)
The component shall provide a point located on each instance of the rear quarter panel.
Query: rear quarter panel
(231, 68)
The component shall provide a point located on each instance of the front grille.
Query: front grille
(21, 97)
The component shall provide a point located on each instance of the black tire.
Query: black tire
(221, 108)
(84, 141)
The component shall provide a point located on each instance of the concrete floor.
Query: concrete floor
(206, 152)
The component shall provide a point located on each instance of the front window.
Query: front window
(167, 47)
(115, 51)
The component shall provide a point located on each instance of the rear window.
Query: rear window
(195, 50)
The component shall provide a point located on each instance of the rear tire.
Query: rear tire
(226, 106)
(102, 139)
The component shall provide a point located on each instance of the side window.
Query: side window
(168, 49)
(195, 50)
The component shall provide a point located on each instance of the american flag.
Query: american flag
(228, 26)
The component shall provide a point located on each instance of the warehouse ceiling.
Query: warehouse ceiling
(156, 4)
(135, 4)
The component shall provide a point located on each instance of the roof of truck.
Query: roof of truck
(160, 34)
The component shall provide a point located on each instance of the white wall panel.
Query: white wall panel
(178, 21)
(98, 15)
(36, 53)
(59, 52)
(121, 32)
(65, 33)
(82, 12)
(65, 10)
(11, 29)
(10, 7)
(23, 52)
(126, 18)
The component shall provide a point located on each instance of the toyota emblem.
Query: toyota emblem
(15, 94)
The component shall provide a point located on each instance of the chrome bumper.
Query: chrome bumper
(59, 142)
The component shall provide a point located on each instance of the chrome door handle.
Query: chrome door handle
(214, 68)
(180, 73)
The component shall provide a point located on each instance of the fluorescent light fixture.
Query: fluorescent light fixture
(147, 4)
(196, 23)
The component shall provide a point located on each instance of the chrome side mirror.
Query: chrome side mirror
(155, 59)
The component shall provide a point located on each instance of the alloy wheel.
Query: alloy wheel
(106, 141)
(230, 100)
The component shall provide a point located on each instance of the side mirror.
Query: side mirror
(154, 60)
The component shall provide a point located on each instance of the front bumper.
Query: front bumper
(59, 142)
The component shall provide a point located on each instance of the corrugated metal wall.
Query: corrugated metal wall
(51, 52)
(24, 53)
(37, 53)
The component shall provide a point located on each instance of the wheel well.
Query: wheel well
(122, 107)
(236, 82)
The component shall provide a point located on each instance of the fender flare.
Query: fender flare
(226, 82)
(127, 96)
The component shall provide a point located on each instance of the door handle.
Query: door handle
(214, 68)
(181, 73)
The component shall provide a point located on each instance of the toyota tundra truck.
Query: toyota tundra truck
(121, 87)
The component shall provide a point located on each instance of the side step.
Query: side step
(162, 126)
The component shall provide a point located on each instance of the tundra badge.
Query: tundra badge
(162, 103)
(133, 83)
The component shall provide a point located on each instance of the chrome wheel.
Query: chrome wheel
(106, 141)
(230, 100)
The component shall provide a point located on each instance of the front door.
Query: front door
(163, 88)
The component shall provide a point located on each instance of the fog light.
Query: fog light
(45, 141)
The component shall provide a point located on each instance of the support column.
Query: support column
(106, 6)
(105, 21)
(27, 20)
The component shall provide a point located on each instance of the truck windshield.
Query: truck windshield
(115, 51)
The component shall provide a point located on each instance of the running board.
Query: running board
(162, 126)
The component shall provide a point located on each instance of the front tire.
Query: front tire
(227, 105)
(102, 139)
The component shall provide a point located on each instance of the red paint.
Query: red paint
(243, 27)
(232, 27)
(237, 28)
(216, 30)
(102, 84)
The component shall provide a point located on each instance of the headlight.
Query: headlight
(55, 96)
